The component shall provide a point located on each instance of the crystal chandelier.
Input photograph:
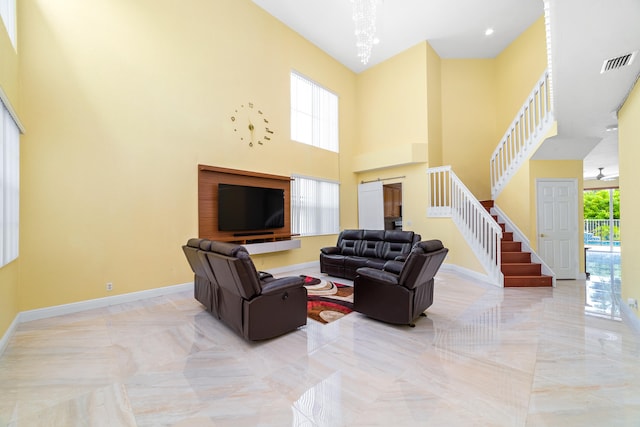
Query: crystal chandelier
(364, 16)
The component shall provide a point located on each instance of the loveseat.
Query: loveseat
(400, 292)
(254, 304)
(365, 248)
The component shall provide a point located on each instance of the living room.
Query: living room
(121, 101)
(116, 155)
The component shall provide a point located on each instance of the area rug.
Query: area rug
(327, 301)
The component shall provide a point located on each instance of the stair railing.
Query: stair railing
(449, 197)
(523, 135)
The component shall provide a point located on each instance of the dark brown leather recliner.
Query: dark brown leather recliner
(255, 305)
(203, 289)
(400, 292)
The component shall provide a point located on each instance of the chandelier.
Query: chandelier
(364, 16)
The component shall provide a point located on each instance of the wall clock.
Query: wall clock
(251, 125)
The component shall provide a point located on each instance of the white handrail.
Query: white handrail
(530, 125)
(449, 197)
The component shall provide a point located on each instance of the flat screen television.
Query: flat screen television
(245, 208)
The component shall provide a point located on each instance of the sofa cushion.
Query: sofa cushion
(371, 244)
(393, 250)
(393, 266)
(354, 262)
(349, 241)
(376, 263)
(399, 236)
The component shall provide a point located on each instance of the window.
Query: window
(314, 114)
(315, 206)
(8, 15)
(9, 187)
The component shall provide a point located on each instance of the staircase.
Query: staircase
(502, 256)
(516, 265)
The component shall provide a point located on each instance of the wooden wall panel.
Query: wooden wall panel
(208, 179)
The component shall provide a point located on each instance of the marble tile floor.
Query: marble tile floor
(484, 356)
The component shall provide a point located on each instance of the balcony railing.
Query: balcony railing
(523, 135)
(602, 232)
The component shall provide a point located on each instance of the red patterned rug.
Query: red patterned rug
(327, 301)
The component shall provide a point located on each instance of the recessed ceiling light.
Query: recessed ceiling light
(488, 31)
(612, 128)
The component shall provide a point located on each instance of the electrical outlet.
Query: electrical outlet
(632, 302)
(109, 286)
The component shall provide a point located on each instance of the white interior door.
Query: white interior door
(371, 206)
(557, 202)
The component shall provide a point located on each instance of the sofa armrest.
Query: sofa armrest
(282, 284)
(394, 267)
(376, 275)
(264, 275)
(330, 250)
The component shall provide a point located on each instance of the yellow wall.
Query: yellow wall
(9, 274)
(628, 136)
(434, 107)
(392, 107)
(122, 101)
(9, 279)
(514, 200)
(518, 68)
(485, 96)
(468, 120)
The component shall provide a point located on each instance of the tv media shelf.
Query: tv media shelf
(264, 243)
(209, 179)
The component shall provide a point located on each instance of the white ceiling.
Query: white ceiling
(454, 28)
(584, 34)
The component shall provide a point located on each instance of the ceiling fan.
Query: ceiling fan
(602, 177)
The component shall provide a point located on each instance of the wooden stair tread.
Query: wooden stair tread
(516, 266)
(528, 281)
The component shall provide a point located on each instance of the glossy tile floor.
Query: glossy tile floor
(484, 356)
(604, 284)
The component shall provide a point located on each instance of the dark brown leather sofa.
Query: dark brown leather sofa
(255, 305)
(365, 248)
(400, 292)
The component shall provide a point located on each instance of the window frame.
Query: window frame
(324, 219)
(9, 185)
(9, 18)
(315, 115)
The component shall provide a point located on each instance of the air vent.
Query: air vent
(619, 62)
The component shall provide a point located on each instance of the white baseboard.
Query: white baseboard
(58, 310)
(469, 274)
(4, 341)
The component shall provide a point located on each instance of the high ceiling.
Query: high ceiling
(584, 34)
(454, 28)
